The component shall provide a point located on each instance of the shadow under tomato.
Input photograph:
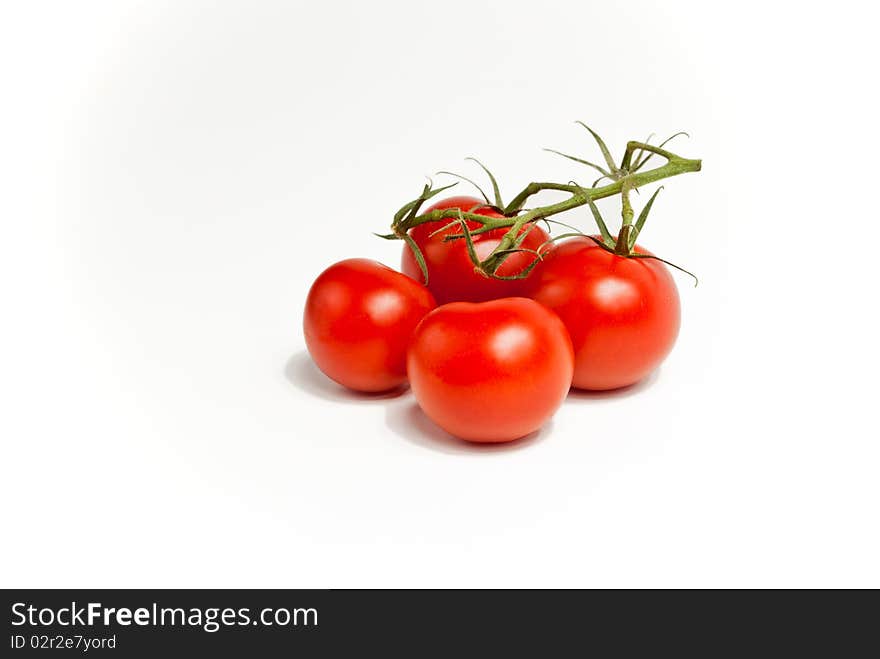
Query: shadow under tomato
(621, 392)
(302, 373)
(409, 422)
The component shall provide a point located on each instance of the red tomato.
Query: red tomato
(490, 372)
(451, 275)
(358, 321)
(622, 313)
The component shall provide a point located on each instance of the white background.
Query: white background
(173, 175)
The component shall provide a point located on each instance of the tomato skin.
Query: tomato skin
(492, 371)
(358, 320)
(622, 314)
(451, 275)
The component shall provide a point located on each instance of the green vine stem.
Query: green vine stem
(627, 213)
(627, 178)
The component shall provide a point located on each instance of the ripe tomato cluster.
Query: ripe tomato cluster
(491, 321)
(496, 360)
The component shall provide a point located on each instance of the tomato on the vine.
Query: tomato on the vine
(622, 313)
(358, 320)
(451, 274)
(492, 371)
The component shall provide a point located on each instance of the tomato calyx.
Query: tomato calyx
(636, 255)
(406, 214)
(625, 177)
(625, 243)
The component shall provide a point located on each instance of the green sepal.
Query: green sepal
(465, 178)
(413, 206)
(445, 227)
(575, 234)
(603, 229)
(469, 241)
(521, 275)
(567, 226)
(605, 152)
(640, 222)
(669, 263)
(420, 259)
(582, 161)
(499, 205)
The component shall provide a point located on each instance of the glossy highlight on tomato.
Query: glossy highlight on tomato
(623, 314)
(358, 321)
(451, 274)
(492, 371)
